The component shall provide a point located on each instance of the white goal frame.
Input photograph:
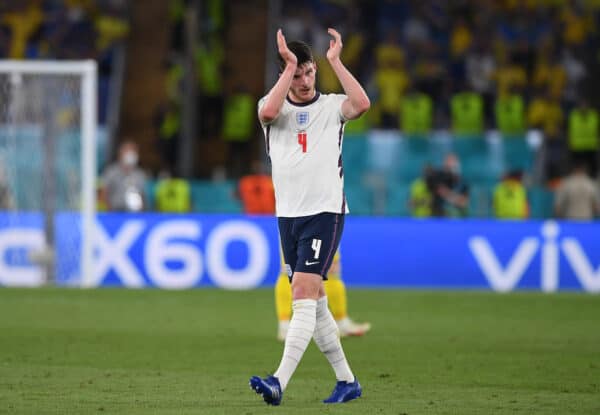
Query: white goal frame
(87, 70)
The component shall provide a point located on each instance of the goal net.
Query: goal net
(47, 171)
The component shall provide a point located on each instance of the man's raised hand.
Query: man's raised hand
(335, 45)
(286, 54)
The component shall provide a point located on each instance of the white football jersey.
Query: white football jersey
(304, 144)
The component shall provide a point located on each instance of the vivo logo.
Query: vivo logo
(505, 278)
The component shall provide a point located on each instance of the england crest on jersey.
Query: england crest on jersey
(302, 118)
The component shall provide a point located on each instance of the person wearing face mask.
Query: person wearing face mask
(124, 182)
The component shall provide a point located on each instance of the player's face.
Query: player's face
(303, 84)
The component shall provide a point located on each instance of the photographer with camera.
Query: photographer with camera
(450, 192)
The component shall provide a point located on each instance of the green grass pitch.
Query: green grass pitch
(116, 351)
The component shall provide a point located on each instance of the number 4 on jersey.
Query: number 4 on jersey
(302, 140)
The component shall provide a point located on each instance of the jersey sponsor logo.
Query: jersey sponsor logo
(302, 118)
(309, 263)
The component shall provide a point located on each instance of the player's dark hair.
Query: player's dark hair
(302, 52)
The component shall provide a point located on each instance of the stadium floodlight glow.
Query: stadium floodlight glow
(52, 104)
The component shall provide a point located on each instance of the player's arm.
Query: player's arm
(358, 102)
(270, 109)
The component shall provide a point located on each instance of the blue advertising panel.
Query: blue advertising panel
(480, 254)
(241, 252)
(181, 251)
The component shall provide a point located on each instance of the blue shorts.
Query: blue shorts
(310, 242)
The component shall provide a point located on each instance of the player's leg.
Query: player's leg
(283, 301)
(328, 228)
(338, 301)
(317, 239)
(305, 291)
(327, 339)
(336, 291)
(283, 305)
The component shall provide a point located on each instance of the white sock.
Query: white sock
(300, 331)
(328, 340)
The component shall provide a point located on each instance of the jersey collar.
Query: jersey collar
(304, 104)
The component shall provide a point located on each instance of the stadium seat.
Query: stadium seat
(215, 197)
(354, 150)
(541, 201)
(359, 199)
(398, 195)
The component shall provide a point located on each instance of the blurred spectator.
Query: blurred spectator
(7, 200)
(461, 38)
(549, 74)
(168, 128)
(239, 127)
(576, 72)
(256, 191)
(577, 25)
(546, 114)
(23, 18)
(450, 191)
(508, 74)
(124, 182)
(391, 80)
(416, 114)
(174, 76)
(510, 114)
(466, 109)
(209, 57)
(577, 196)
(429, 73)
(111, 26)
(420, 201)
(584, 142)
(510, 197)
(480, 67)
(173, 194)
(69, 29)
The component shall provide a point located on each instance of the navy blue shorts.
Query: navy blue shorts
(310, 242)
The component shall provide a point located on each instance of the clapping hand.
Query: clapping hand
(286, 54)
(335, 45)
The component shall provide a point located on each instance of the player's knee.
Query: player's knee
(306, 286)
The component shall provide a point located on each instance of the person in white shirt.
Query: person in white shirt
(304, 136)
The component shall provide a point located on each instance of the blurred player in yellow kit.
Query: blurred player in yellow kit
(338, 303)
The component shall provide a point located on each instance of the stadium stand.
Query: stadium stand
(496, 82)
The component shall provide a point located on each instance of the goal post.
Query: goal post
(48, 124)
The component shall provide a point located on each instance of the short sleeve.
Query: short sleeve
(261, 103)
(339, 100)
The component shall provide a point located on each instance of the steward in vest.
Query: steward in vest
(510, 115)
(583, 136)
(173, 195)
(510, 198)
(466, 109)
(416, 112)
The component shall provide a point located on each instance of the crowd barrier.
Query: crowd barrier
(242, 252)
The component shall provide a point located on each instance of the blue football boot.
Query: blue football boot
(269, 388)
(344, 392)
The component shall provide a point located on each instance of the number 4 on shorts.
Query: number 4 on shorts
(316, 246)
